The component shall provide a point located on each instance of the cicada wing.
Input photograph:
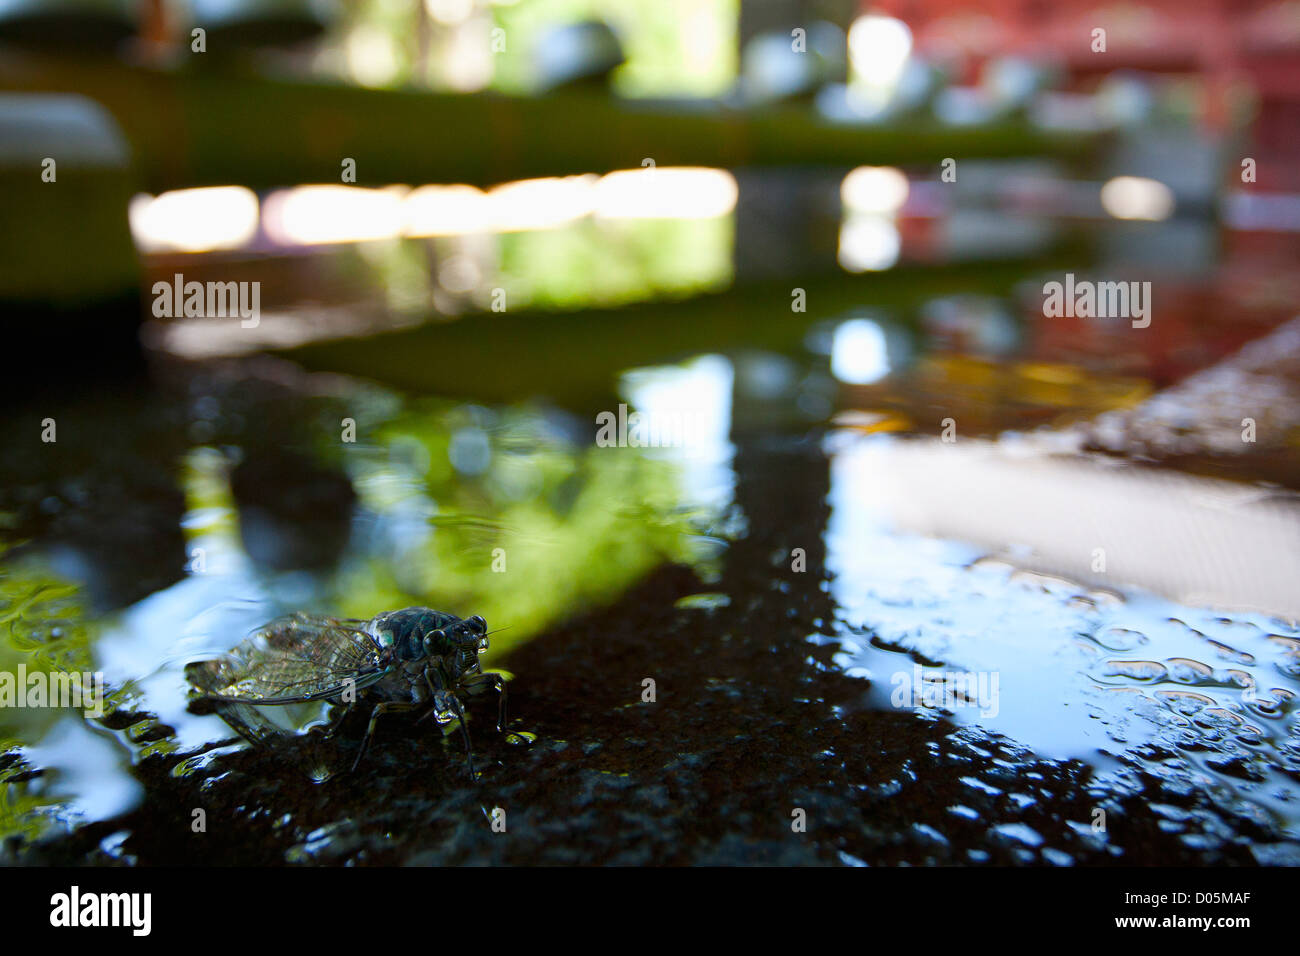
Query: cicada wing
(248, 721)
(300, 657)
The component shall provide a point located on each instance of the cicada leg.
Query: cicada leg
(338, 721)
(387, 707)
(459, 711)
(447, 703)
(475, 685)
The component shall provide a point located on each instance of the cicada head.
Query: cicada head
(461, 644)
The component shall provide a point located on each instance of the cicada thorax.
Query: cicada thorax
(447, 643)
(405, 631)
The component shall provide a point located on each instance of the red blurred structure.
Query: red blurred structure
(1223, 44)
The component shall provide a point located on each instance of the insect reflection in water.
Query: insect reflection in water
(408, 660)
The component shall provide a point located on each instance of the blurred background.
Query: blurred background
(807, 244)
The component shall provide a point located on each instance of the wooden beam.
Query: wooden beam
(209, 126)
(574, 358)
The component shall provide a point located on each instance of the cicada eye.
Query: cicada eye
(434, 641)
(478, 622)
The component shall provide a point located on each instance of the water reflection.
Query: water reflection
(1063, 644)
(344, 501)
(694, 400)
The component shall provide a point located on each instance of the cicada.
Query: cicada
(412, 659)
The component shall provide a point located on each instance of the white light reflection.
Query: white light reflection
(652, 193)
(371, 56)
(450, 12)
(877, 190)
(539, 203)
(878, 49)
(669, 192)
(446, 211)
(310, 215)
(194, 220)
(859, 355)
(869, 243)
(692, 399)
(89, 770)
(869, 238)
(1132, 197)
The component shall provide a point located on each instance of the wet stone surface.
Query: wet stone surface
(752, 722)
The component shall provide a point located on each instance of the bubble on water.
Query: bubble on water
(1147, 671)
(1186, 671)
(1231, 654)
(1184, 702)
(1119, 639)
